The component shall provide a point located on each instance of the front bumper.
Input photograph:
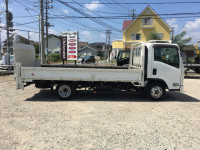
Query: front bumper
(181, 88)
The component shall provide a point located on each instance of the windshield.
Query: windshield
(87, 57)
(123, 55)
(167, 54)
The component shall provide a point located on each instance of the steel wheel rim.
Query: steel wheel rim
(156, 92)
(64, 91)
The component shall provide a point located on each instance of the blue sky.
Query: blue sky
(26, 11)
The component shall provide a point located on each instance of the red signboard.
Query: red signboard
(72, 40)
(72, 47)
(63, 48)
(72, 44)
(72, 51)
(72, 56)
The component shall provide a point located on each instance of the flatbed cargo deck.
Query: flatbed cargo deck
(84, 66)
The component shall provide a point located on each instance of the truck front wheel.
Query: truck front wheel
(65, 91)
(155, 91)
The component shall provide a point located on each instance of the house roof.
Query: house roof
(189, 48)
(148, 7)
(126, 23)
(81, 43)
(97, 44)
(53, 35)
(88, 47)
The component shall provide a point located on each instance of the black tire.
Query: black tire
(142, 92)
(197, 69)
(155, 91)
(65, 91)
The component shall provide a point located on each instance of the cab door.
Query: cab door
(166, 65)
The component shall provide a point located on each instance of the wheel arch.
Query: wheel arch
(150, 81)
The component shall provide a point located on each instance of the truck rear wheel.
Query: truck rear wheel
(65, 91)
(197, 69)
(155, 91)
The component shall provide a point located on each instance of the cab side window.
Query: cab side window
(167, 54)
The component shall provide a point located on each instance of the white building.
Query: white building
(53, 44)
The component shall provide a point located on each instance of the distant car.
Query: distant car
(4, 60)
(88, 59)
(80, 59)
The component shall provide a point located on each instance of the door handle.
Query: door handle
(154, 71)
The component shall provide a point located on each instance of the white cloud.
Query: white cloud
(34, 36)
(65, 11)
(3, 35)
(102, 35)
(86, 36)
(93, 5)
(51, 31)
(192, 26)
(3, 5)
(172, 23)
(192, 29)
(2, 24)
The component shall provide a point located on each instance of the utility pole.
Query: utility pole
(133, 13)
(28, 35)
(106, 45)
(0, 39)
(39, 17)
(108, 32)
(47, 29)
(7, 29)
(42, 32)
(172, 34)
(47, 24)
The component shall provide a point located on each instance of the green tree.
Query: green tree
(153, 36)
(178, 39)
(54, 57)
(100, 54)
(36, 49)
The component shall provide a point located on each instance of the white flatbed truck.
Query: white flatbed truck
(154, 67)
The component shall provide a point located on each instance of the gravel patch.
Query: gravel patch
(36, 119)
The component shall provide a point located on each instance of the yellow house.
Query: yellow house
(138, 30)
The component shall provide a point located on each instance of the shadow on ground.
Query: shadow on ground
(48, 96)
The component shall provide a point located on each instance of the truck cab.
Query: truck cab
(162, 64)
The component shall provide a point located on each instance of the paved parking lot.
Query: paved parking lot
(36, 119)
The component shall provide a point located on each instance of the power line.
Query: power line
(95, 13)
(25, 6)
(93, 19)
(112, 7)
(76, 21)
(120, 6)
(116, 17)
(141, 3)
(19, 24)
(19, 30)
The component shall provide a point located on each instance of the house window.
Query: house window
(58, 44)
(135, 36)
(148, 11)
(148, 21)
(161, 35)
